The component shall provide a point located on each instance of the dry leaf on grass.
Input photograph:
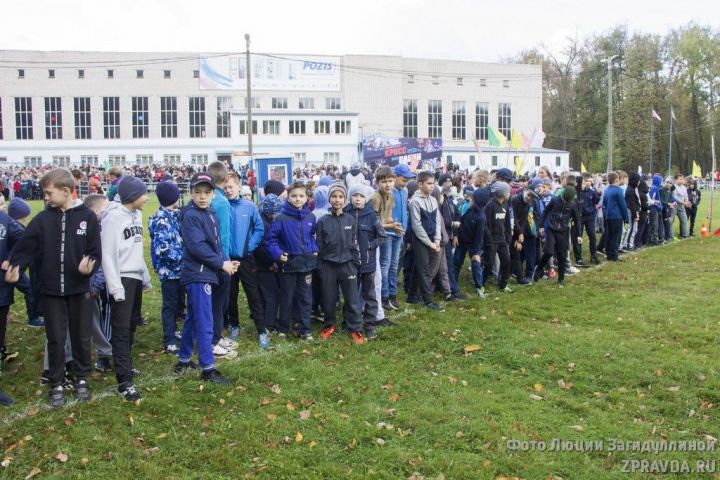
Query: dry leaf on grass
(32, 473)
(535, 397)
(538, 387)
(61, 457)
(298, 437)
(394, 397)
(276, 389)
(471, 348)
(304, 414)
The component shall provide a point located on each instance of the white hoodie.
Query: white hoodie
(122, 248)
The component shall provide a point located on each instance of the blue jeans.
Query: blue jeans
(172, 292)
(198, 325)
(389, 260)
(476, 267)
(451, 269)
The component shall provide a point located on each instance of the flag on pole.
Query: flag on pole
(496, 138)
(672, 113)
(519, 163)
(696, 172)
(537, 139)
(582, 168)
(656, 116)
(478, 147)
(516, 142)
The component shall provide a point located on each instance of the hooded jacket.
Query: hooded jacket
(263, 259)
(246, 228)
(655, 200)
(202, 254)
(424, 216)
(293, 232)
(643, 194)
(166, 244)
(632, 197)
(473, 226)
(559, 214)
(614, 206)
(52, 235)
(10, 233)
(322, 204)
(123, 248)
(221, 207)
(496, 214)
(335, 238)
(368, 234)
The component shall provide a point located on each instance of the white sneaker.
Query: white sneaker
(222, 352)
(228, 344)
(572, 270)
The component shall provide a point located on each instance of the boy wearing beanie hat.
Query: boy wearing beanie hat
(166, 250)
(339, 258)
(126, 275)
(496, 214)
(18, 209)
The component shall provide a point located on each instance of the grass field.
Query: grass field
(625, 352)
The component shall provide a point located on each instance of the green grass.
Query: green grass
(636, 344)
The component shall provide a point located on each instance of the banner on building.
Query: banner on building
(417, 153)
(268, 72)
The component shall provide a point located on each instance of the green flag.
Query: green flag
(496, 138)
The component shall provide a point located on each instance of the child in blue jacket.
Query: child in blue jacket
(615, 212)
(291, 243)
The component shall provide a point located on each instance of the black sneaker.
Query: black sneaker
(128, 392)
(580, 263)
(393, 301)
(460, 296)
(56, 397)
(6, 356)
(450, 297)
(68, 382)
(103, 365)
(82, 391)
(214, 376)
(45, 377)
(386, 304)
(412, 300)
(385, 322)
(5, 399)
(135, 372)
(594, 259)
(184, 367)
(370, 332)
(434, 306)
(525, 281)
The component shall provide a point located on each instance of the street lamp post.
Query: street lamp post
(610, 119)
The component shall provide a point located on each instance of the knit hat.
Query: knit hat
(130, 189)
(468, 189)
(358, 189)
(444, 178)
(504, 174)
(18, 209)
(535, 183)
(167, 193)
(270, 205)
(500, 189)
(273, 186)
(245, 190)
(337, 186)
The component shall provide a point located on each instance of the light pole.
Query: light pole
(249, 96)
(610, 121)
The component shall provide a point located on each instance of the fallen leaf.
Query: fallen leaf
(452, 380)
(206, 421)
(138, 442)
(131, 420)
(659, 372)
(312, 444)
(535, 397)
(538, 387)
(221, 401)
(290, 406)
(201, 387)
(577, 428)
(162, 435)
(84, 461)
(380, 441)
(61, 457)
(565, 386)
(5, 462)
(32, 412)
(271, 416)
(674, 389)
(152, 450)
(32, 473)
(264, 401)
(487, 464)
(458, 434)
(471, 348)
(344, 416)
(69, 420)
(276, 389)
(304, 414)
(622, 390)
(298, 437)
(387, 387)
(394, 397)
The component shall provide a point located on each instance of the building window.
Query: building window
(505, 119)
(506, 83)
(116, 160)
(23, 118)
(460, 81)
(299, 158)
(255, 103)
(3, 159)
(197, 117)
(279, 102)
(139, 74)
(449, 159)
(171, 159)
(331, 157)
(140, 117)
(435, 118)
(557, 161)
(81, 73)
(537, 160)
(196, 73)
(436, 80)
(322, 127)
(21, 73)
(167, 74)
(297, 127)
(458, 121)
(224, 105)
(111, 74)
(51, 73)
(411, 78)
(111, 117)
(53, 118)
(332, 103)
(494, 160)
(271, 127)
(143, 159)
(483, 82)
(199, 159)
(481, 121)
(472, 160)
(306, 103)
(32, 161)
(342, 127)
(91, 160)
(83, 130)
(242, 127)
(410, 118)
(168, 117)
(61, 161)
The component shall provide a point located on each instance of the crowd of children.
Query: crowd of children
(298, 253)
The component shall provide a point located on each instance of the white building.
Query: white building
(126, 108)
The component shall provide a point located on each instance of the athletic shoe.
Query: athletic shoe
(580, 262)
(480, 292)
(56, 397)
(172, 349)
(370, 332)
(264, 341)
(358, 338)
(36, 322)
(317, 315)
(184, 367)
(103, 364)
(524, 281)
(460, 296)
(5, 399)
(7, 357)
(128, 392)
(307, 337)
(178, 334)
(450, 298)
(68, 382)
(135, 372)
(561, 283)
(393, 301)
(82, 391)
(45, 377)
(434, 306)
(234, 333)
(386, 304)
(221, 352)
(214, 376)
(412, 300)
(327, 332)
(385, 322)
(506, 290)
(572, 270)
(281, 334)
(228, 344)
(595, 260)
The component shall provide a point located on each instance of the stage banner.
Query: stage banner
(417, 153)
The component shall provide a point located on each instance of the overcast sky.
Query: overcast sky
(450, 29)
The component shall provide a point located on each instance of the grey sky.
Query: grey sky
(451, 29)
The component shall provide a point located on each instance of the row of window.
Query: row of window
(494, 160)
(111, 117)
(167, 74)
(460, 81)
(304, 103)
(114, 160)
(298, 127)
(459, 119)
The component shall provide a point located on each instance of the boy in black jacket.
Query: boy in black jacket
(589, 199)
(496, 213)
(67, 240)
(471, 239)
(339, 259)
(369, 234)
(632, 199)
(525, 235)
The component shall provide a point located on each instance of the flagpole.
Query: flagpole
(712, 183)
(652, 121)
(670, 144)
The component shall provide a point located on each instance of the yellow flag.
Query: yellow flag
(582, 168)
(696, 172)
(519, 163)
(516, 142)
